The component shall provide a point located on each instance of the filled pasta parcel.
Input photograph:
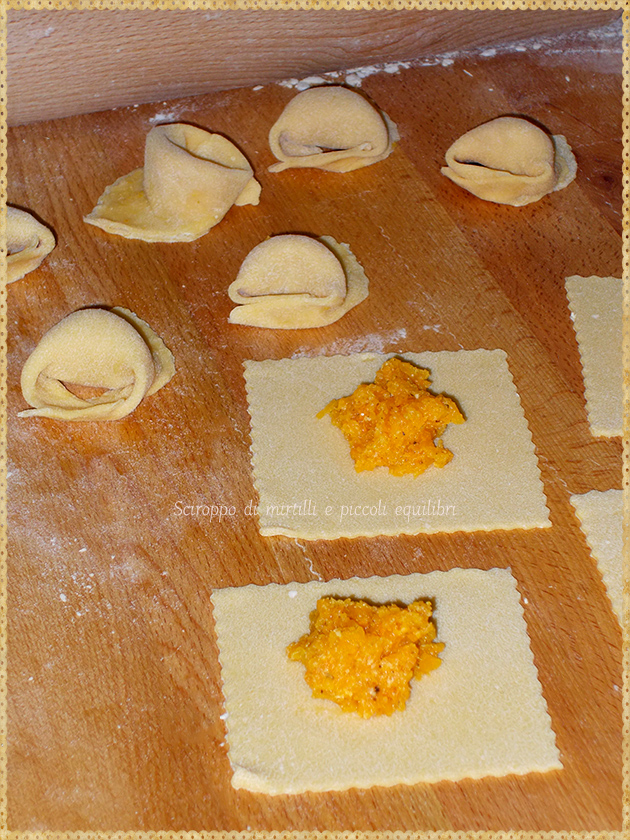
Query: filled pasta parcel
(333, 128)
(110, 351)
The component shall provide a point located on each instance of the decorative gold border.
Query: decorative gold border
(223, 5)
(626, 418)
(175, 5)
(315, 835)
(3, 421)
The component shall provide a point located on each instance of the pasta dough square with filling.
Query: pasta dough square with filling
(596, 308)
(601, 520)
(305, 476)
(481, 713)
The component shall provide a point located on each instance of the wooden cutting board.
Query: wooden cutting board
(114, 684)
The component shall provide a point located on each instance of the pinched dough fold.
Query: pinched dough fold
(295, 282)
(111, 349)
(510, 160)
(28, 242)
(190, 180)
(332, 128)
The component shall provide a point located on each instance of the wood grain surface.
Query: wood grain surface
(114, 683)
(67, 62)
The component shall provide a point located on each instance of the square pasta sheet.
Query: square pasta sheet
(305, 476)
(596, 309)
(481, 713)
(601, 520)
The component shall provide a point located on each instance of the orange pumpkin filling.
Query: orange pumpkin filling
(394, 421)
(363, 657)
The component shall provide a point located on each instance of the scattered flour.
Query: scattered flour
(352, 77)
(308, 560)
(355, 76)
(373, 343)
(605, 40)
(42, 33)
(166, 116)
(310, 81)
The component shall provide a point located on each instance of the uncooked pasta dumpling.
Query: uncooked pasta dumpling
(108, 349)
(28, 242)
(332, 128)
(295, 282)
(510, 160)
(190, 180)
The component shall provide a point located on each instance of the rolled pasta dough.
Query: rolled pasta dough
(481, 713)
(601, 520)
(493, 481)
(510, 160)
(596, 305)
(99, 348)
(28, 242)
(295, 282)
(332, 128)
(190, 180)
